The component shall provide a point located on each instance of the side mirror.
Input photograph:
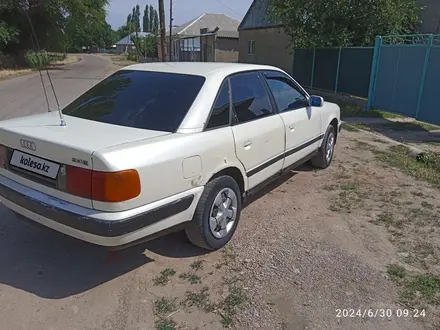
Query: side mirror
(316, 101)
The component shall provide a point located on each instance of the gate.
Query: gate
(405, 76)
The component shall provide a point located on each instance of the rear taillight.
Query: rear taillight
(109, 187)
(3, 156)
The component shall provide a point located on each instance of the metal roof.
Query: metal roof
(226, 24)
(127, 41)
(256, 16)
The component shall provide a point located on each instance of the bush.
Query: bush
(40, 59)
(132, 57)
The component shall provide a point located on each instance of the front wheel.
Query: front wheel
(325, 155)
(217, 214)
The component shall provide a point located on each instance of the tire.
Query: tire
(324, 159)
(199, 230)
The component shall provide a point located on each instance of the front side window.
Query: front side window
(220, 113)
(139, 99)
(249, 97)
(287, 96)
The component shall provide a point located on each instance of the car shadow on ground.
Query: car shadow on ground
(51, 265)
(55, 266)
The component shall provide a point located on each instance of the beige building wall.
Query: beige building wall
(271, 47)
(226, 50)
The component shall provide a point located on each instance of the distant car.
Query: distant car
(161, 147)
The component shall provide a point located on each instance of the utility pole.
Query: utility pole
(163, 36)
(170, 49)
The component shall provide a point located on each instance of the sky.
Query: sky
(183, 10)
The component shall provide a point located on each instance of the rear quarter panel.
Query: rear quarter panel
(160, 163)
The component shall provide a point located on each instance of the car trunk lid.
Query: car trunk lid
(37, 147)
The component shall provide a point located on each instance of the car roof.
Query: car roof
(199, 68)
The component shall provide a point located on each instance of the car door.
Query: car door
(302, 122)
(258, 130)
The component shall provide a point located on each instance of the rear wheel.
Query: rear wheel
(217, 214)
(325, 155)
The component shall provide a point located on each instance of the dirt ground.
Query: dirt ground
(358, 236)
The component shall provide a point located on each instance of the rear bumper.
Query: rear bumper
(97, 227)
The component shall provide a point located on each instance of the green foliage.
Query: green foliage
(146, 46)
(38, 60)
(323, 23)
(58, 24)
(146, 20)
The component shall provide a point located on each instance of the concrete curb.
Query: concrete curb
(413, 151)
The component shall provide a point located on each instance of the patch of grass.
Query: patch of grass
(366, 146)
(427, 205)
(426, 168)
(373, 113)
(396, 271)
(330, 187)
(166, 324)
(386, 218)
(228, 308)
(349, 187)
(192, 278)
(349, 128)
(197, 265)
(422, 289)
(164, 277)
(226, 321)
(235, 298)
(350, 197)
(360, 126)
(199, 299)
(165, 306)
(349, 109)
(377, 140)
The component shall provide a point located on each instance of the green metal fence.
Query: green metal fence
(343, 70)
(405, 76)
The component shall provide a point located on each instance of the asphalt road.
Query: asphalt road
(24, 95)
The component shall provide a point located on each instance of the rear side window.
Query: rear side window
(249, 97)
(139, 99)
(220, 113)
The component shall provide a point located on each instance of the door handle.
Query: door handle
(247, 144)
(292, 128)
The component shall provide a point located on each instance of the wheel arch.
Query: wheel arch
(235, 173)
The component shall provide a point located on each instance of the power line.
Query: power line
(229, 7)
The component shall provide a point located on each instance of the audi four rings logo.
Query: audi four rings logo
(28, 145)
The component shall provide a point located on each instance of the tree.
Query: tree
(146, 20)
(152, 11)
(155, 25)
(137, 19)
(56, 23)
(323, 23)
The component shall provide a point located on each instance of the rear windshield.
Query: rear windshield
(139, 99)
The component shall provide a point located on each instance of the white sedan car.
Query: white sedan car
(162, 147)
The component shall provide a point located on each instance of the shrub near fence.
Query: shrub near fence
(339, 70)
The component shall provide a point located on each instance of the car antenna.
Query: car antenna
(34, 36)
